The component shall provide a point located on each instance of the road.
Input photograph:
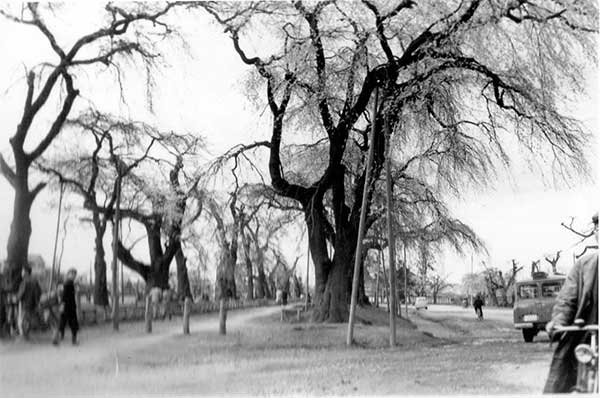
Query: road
(448, 352)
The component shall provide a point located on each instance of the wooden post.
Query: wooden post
(386, 288)
(307, 271)
(115, 293)
(391, 241)
(186, 315)
(222, 316)
(361, 225)
(148, 313)
(60, 198)
(377, 286)
(405, 280)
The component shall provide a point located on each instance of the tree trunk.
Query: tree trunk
(158, 277)
(226, 284)
(262, 289)
(17, 248)
(100, 285)
(249, 276)
(183, 281)
(333, 304)
(363, 299)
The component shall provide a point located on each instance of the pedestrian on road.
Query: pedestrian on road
(28, 296)
(69, 309)
(478, 304)
(578, 299)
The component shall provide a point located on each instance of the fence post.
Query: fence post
(148, 313)
(186, 315)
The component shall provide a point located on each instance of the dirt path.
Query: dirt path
(38, 362)
(262, 356)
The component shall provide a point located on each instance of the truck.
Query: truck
(534, 300)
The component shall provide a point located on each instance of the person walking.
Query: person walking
(478, 304)
(69, 309)
(28, 296)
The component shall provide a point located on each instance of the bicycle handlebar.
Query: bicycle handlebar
(593, 328)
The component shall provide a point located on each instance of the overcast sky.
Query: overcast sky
(202, 92)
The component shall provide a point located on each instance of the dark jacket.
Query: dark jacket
(29, 293)
(68, 298)
(578, 298)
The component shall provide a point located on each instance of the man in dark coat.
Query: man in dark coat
(69, 310)
(478, 304)
(578, 299)
(29, 297)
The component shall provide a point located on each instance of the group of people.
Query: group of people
(21, 310)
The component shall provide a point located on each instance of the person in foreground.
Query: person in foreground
(69, 309)
(29, 297)
(578, 299)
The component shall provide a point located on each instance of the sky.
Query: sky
(201, 91)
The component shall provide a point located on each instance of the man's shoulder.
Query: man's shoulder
(589, 260)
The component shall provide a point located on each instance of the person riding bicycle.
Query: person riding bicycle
(578, 299)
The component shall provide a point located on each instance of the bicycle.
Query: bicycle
(586, 355)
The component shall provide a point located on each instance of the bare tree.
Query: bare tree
(434, 70)
(553, 261)
(160, 207)
(437, 284)
(100, 47)
(94, 176)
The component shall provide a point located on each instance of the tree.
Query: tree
(437, 284)
(553, 260)
(439, 80)
(499, 283)
(94, 177)
(103, 46)
(160, 208)
(473, 283)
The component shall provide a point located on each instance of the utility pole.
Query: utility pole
(60, 198)
(361, 224)
(405, 280)
(377, 287)
(391, 241)
(122, 280)
(307, 271)
(116, 219)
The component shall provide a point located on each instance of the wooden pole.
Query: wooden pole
(391, 241)
(186, 315)
(115, 293)
(405, 280)
(148, 313)
(122, 279)
(386, 288)
(361, 225)
(222, 316)
(377, 286)
(307, 272)
(60, 198)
